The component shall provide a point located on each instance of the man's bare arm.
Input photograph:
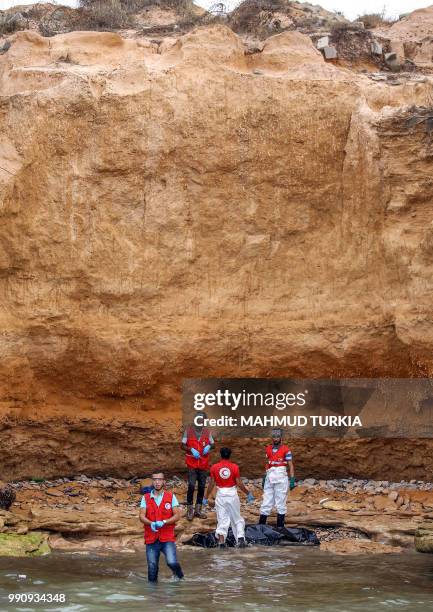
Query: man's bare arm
(142, 517)
(241, 485)
(210, 488)
(291, 469)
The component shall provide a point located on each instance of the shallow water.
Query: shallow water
(304, 579)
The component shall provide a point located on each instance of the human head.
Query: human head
(158, 480)
(225, 452)
(277, 436)
(202, 416)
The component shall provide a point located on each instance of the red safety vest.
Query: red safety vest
(277, 459)
(192, 442)
(159, 513)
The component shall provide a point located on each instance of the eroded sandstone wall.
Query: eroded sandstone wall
(187, 209)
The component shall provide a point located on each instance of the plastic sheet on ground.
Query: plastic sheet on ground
(263, 535)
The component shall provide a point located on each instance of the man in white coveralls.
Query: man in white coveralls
(226, 476)
(276, 483)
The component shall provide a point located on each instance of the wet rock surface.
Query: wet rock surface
(7, 496)
(424, 536)
(102, 513)
(31, 544)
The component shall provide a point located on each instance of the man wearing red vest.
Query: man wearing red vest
(197, 442)
(159, 511)
(276, 485)
(226, 476)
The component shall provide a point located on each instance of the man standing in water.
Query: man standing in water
(159, 511)
(197, 442)
(226, 476)
(276, 484)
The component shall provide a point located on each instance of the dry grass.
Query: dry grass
(118, 14)
(254, 15)
(103, 15)
(373, 20)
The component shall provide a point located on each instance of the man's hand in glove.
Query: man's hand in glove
(206, 450)
(195, 453)
(292, 482)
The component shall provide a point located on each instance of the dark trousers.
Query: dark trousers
(168, 549)
(194, 476)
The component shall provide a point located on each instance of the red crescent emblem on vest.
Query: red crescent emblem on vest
(167, 506)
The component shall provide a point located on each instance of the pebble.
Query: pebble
(105, 483)
(310, 482)
(352, 485)
(328, 534)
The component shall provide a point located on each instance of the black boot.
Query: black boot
(280, 520)
(198, 512)
(242, 543)
(262, 520)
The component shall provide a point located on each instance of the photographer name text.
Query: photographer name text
(279, 421)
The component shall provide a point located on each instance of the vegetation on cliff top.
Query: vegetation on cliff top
(258, 17)
(100, 15)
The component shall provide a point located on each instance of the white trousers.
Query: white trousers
(275, 492)
(228, 510)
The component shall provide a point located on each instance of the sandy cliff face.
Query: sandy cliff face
(185, 209)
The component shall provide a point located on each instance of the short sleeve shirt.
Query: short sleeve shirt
(158, 500)
(225, 473)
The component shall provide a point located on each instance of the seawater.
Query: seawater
(296, 579)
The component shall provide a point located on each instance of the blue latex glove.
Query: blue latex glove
(204, 502)
(292, 483)
(250, 498)
(153, 526)
(206, 449)
(159, 524)
(195, 453)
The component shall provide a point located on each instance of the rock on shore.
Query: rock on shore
(102, 514)
(424, 537)
(31, 544)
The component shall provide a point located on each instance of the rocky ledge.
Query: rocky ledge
(349, 516)
(424, 536)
